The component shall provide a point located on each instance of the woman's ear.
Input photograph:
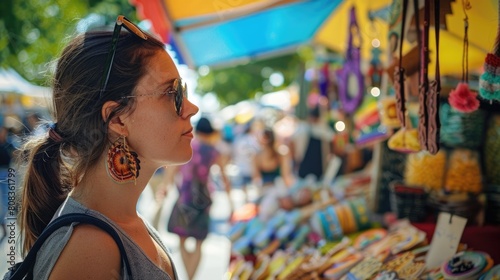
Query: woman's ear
(115, 122)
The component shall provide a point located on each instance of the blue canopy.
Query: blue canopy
(275, 30)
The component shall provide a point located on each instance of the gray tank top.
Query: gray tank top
(141, 266)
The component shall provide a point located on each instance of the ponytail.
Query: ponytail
(44, 187)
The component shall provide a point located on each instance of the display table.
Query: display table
(482, 238)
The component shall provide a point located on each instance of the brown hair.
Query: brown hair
(52, 167)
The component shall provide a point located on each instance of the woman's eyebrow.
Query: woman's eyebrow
(166, 84)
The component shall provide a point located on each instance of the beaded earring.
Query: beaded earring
(122, 164)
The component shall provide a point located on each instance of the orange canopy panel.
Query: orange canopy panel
(199, 12)
(183, 10)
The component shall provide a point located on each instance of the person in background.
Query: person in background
(245, 146)
(6, 156)
(190, 215)
(120, 112)
(311, 145)
(269, 163)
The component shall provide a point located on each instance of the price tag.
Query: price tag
(446, 238)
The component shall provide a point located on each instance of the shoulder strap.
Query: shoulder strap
(29, 262)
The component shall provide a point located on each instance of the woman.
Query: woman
(120, 113)
(269, 163)
(191, 213)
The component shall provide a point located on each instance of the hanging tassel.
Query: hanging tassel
(463, 99)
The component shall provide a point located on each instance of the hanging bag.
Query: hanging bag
(399, 73)
(429, 124)
(405, 140)
(24, 269)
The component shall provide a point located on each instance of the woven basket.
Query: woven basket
(408, 201)
(461, 130)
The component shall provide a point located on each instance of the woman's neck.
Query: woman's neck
(118, 202)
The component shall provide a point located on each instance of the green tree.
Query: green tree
(242, 82)
(33, 32)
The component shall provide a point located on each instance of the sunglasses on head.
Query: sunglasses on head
(179, 89)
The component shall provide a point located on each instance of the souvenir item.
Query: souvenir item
(261, 269)
(278, 262)
(365, 269)
(492, 274)
(408, 201)
(398, 262)
(399, 73)
(462, 130)
(464, 265)
(404, 141)
(236, 231)
(242, 246)
(489, 82)
(299, 238)
(464, 172)
(429, 124)
(412, 271)
(387, 275)
(350, 78)
(284, 232)
(425, 170)
(360, 211)
(367, 122)
(342, 267)
(333, 223)
(462, 98)
(291, 267)
(388, 112)
(369, 237)
(262, 239)
(235, 267)
(336, 258)
(271, 248)
(246, 271)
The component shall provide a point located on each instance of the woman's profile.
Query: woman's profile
(120, 112)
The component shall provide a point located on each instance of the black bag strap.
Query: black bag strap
(29, 262)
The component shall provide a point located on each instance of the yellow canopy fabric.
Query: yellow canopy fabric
(483, 24)
(333, 33)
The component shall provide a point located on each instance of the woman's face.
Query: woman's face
(155, 131)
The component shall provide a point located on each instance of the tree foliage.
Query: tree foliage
(246, 81)
(33, 32)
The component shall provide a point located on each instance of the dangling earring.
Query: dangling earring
(122, 164)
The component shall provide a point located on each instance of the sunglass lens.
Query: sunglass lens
(179, 97)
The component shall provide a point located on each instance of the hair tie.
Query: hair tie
(56, 137)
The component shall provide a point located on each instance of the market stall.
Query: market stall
(434, 171)
(434, 158)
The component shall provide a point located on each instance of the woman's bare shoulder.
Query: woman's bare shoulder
(91, 253)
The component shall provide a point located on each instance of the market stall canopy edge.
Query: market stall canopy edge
(223, 32)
